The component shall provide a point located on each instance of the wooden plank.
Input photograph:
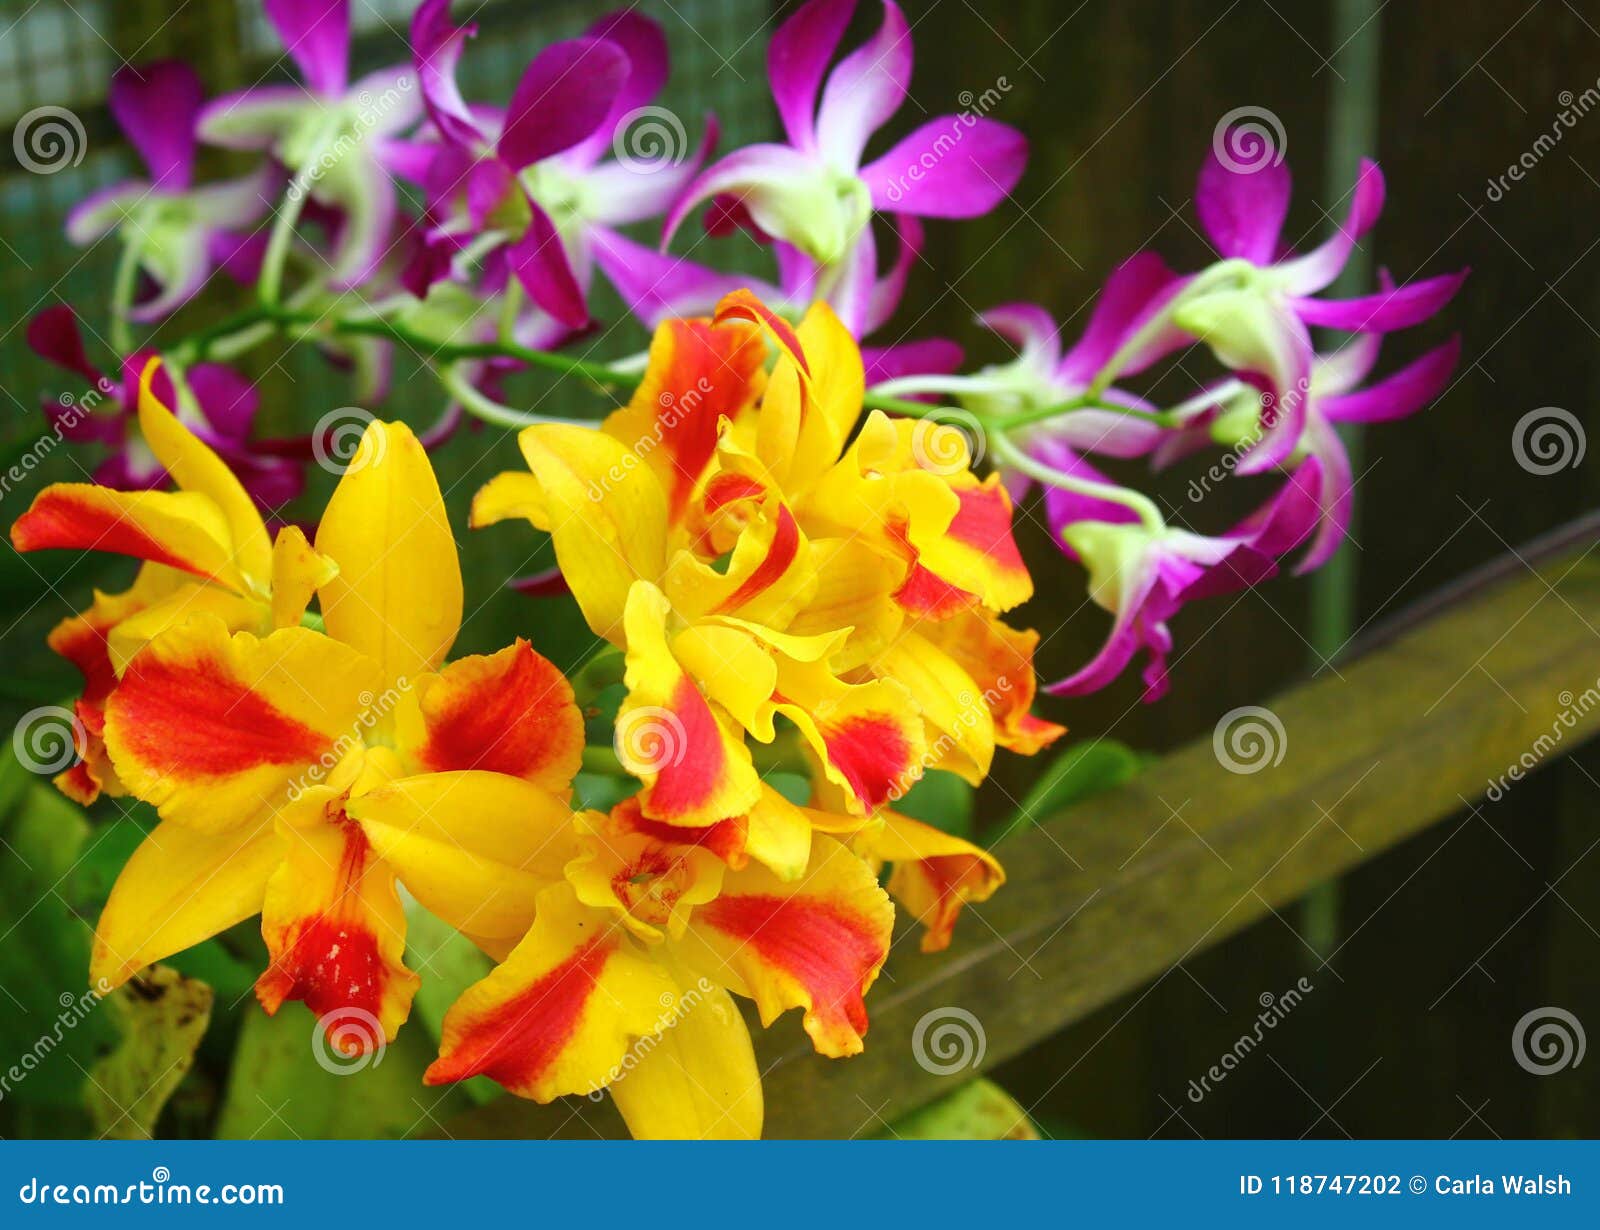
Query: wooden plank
(1115, 893)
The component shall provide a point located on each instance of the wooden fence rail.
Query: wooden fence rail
(1120, 890)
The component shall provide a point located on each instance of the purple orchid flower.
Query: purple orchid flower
(814, 193)
(535, 173)
(340, 139)
(217, 404)
(1230, 415)
(1254, 308)
(178, 232)
(1124, 326)
(1144, 576)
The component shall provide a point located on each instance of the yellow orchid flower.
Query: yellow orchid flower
(251, 747)
(638, 941)
(205, 547)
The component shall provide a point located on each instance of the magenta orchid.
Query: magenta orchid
(813, 193)
(531, 181)
(213, 401)
(174, 233)
(1254, 308)
(1145, 575)
(339, 139)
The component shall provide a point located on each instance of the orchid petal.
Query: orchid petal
(316, 33)
(1305, 275)
(864, 91)
(102, 212)
(954, 166)
(642, 41)
(1399, 395)
(1132, 294)
(797, 57)
(157, 106)
(436, 47)
(1395, 308)
(539, 259)
(1242, 205)
(563, 96)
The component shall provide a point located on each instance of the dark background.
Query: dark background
(1438, 947)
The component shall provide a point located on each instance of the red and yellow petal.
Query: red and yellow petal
(816, 943)
(868, 737)
(960, 731)
(768, 577)
(214, 729)
(695, 769)
(559, 1014)
(509, 712)
(699, 374)
(178, 889)
(178, 529)
(336, 933)
(475, 848)
(934, 873)
(396, 595)
(999, 659)
(977, 552)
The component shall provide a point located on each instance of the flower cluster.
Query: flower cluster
(797, 561)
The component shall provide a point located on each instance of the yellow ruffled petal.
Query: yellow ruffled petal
(934, 875)
(816, 943)
(474, 848)
(397, 595)
(696, 1080)
(695, 770)
(961, 734)
(179, 889)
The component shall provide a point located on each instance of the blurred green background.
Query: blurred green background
(1447, 939)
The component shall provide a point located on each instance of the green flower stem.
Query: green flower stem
(1009, 454)
(270, 286)
(127, 279)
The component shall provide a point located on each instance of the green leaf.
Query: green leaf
(288, 1083)
(449, 963)
(979, 1110)
(942, 800)
(162, 1016)
(1081, 771)
(50, 1032)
